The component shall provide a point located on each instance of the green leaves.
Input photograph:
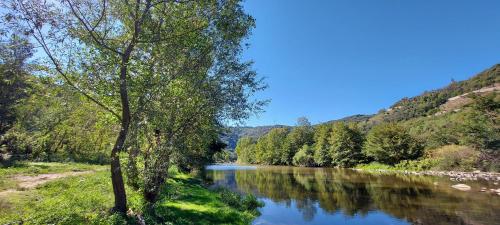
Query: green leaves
(345, 145)
(390, 143)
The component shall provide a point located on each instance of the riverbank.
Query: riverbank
(453, 175)
(84, 196)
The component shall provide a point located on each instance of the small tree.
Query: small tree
(304, 157)
(390, 143)
(345, 145)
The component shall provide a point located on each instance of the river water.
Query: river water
(295, 196)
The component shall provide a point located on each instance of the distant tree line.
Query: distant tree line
(339, 144)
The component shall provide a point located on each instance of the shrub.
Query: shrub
(455, 157)
(417, 165)
(390, 143)
(243, 203)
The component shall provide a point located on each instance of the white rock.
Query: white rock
(461, 187)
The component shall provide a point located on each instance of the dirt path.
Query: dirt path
(30, 182)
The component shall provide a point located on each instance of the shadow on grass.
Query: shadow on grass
(186, 201)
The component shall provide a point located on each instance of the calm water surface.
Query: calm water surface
(339, 196)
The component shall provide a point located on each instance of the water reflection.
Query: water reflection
(335, 196)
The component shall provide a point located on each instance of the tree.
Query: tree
(270, 146)
(13, 78)
(140, 62)
(245, 150)
(321, 145)
(304, 157)
(345, 145)
(390, 143)
(301, 134)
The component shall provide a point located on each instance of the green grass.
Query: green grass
(87, 199)
(186, 201)
(36, 168)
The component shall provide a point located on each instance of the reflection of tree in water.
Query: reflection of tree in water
(307, 208)
(353, 193)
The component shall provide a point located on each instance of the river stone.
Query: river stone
(462, 187)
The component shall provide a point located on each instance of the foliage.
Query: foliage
(55, 124)
(455, 157)
(345, 145)
(390, 143)
(428, 102)
(304, 157)
(321, 146)
(375, 166)
(300, 135)
(417, 165)
(14, 78)
(244, 203)
(245, 150)
(269, 147)
(224, 156)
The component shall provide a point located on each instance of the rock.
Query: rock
(477, 171)
(461, 187)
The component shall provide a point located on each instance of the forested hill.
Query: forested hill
(427, 104)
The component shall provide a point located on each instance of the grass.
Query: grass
(36, 168)
(376, 166)
(87, 199)
(186, 201)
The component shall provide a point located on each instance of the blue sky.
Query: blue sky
(327, 59)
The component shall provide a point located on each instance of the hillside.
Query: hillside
(233, 134)
(429, 102)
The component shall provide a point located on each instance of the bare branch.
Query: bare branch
(90, 30)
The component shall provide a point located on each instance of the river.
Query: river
(295, 196)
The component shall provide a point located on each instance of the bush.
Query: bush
(417, 165)
(243, 203)
(390, 143)
(304, 157)
(455, 157)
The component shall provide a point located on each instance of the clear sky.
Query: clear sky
(334, 58)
